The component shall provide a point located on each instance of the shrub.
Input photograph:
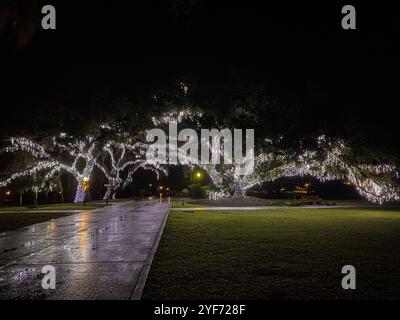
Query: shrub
(294, 203)
(196, 191)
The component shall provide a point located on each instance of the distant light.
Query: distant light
(8, 193)
(198, 175)
(85, 184)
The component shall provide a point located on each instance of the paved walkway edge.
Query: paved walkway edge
(267, 208)
(140, 284)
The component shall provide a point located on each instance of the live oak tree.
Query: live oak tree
(121, 155)
(276, 153)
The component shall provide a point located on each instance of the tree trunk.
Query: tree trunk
(110, 193)
(36, 190)
(107, 195)
(21, 194)
(239, 191)
(112, 188)
(113, 193)
(61, 188)
(35, 204)
(80, 195)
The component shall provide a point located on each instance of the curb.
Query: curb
(140, 284)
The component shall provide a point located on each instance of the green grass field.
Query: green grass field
(277, 254)
(55, 207)
(12, 218)
(185, 203)
(65, 206)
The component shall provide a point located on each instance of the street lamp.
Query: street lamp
(198, 176)
(161, 192)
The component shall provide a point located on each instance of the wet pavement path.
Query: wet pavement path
(98, 254)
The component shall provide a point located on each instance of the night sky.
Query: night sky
(346, 81)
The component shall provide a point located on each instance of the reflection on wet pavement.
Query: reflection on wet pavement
(97, 254)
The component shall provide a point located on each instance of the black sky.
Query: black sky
(298, 48)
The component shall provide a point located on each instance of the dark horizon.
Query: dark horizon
(343, 81)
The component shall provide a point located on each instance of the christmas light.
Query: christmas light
(332, 161)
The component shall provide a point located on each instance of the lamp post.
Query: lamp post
(198, 176)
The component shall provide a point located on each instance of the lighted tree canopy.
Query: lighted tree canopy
(328, 159)
(114, 142)
(112, 151)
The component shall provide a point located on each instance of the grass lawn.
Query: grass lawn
(277, 254)
(253, 201)
(185, 203)
(11, 221)
(55, 207)
(25, 216)
(65, 206)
